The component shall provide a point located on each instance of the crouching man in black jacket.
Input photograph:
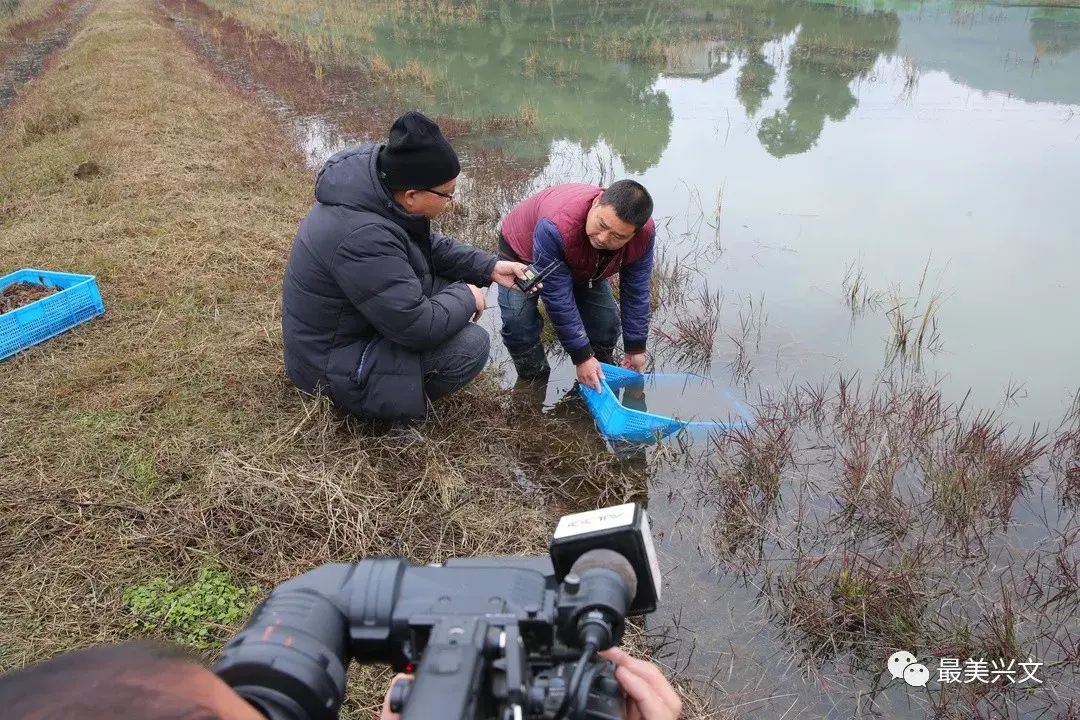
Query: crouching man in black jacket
(376, 307)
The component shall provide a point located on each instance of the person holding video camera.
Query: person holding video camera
(144, 681)
(478, 638)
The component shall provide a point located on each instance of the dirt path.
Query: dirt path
(31, 59)
(271, 71)
(326, 106)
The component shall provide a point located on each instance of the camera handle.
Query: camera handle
(451, 675)
(511, 677)
(451, 671)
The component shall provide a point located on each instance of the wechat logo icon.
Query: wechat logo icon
(903, 666)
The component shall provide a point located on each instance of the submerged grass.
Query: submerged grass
(850, 602)
(874, 519)
(913, 326)
(857, 293)
(692, 336)
(864, 518)
(1065, 455)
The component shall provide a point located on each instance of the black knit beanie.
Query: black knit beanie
(416, 155)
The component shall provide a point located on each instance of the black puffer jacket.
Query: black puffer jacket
(361, 300)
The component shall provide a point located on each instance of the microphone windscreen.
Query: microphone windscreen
(611, 560)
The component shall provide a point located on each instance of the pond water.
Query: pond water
(873, 188)
(685, 396)
(926, 154)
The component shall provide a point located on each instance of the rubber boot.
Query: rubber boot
(528, 395)
(531, 363)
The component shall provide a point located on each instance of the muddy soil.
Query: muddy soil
(40, 39)
(343, 106)
(324, 115)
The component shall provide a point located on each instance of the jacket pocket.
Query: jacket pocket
(384, 380)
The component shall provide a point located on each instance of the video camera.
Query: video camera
(505, 638)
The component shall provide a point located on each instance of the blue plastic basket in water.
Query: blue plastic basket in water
(618, 422)
(78, 301)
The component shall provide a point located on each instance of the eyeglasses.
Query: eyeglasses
(449, 196)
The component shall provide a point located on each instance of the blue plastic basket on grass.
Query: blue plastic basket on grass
(77, 301)
(618, 422)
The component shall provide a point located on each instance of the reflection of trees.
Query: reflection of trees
(554, 61)
(755, 79)
(514, 61)
(811, 99)
(833, 48)
(1055, 32)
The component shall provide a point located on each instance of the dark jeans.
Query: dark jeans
(454, 364)
(522, 323)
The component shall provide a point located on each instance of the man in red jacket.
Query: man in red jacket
(589, 233)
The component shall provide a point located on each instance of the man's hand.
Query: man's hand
(649, 696)
(386, 714)
(505, 271)
(634, 361)
(589, 373)
(481, 303)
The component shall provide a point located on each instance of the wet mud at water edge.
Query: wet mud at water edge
(865, 222)
(328, 106)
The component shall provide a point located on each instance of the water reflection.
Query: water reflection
(1028, 53)
(832, 47)
(574, 65)
(1055, 31)
(587, 73)
(529, 59)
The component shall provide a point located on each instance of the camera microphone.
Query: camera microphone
(617, 538)
(606, 583)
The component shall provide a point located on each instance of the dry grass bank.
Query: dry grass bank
(162, 438)
(16, 13)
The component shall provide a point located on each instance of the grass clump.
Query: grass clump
(852, 603)
(913, 327)
(49, 119)
(201, 614)
(691, 339)
(980, 471)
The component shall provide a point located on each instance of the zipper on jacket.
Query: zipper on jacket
(596, 272)
(426, 249)
(363, 356)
